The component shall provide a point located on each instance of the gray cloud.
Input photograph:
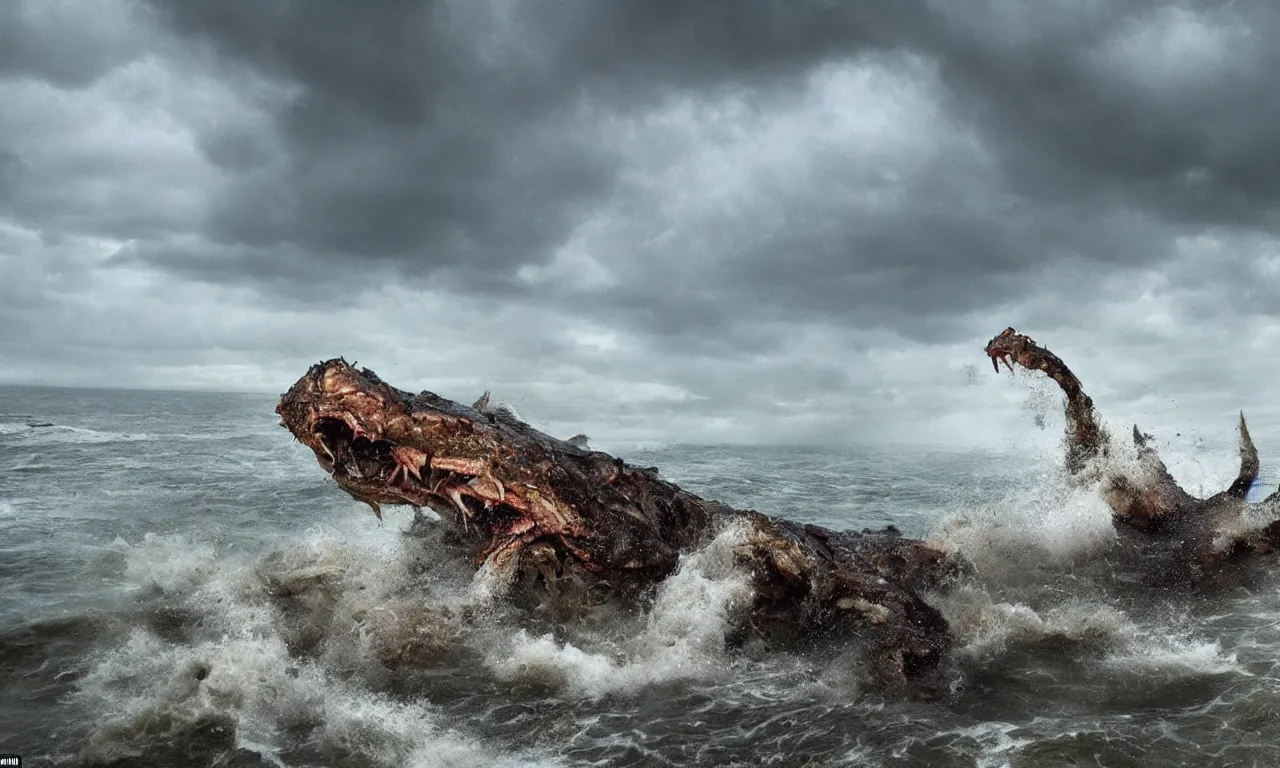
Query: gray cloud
(64, 44)
(715, 220)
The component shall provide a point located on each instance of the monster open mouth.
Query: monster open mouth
(356, 455)
(1006, 348)
(377, 471)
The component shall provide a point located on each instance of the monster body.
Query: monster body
(541, 510)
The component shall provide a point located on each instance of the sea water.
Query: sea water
(181, 584)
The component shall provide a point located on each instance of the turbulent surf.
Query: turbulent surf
(180, 585)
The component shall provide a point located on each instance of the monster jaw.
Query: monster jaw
(1009, 347)
(378, 471)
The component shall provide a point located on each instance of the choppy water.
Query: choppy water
(181, 585)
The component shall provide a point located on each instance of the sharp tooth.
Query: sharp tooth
(457, 501)
(995, 363)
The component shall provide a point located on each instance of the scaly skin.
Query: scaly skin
(543, 510)
(1207, 532)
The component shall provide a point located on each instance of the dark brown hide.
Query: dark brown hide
(545, 510)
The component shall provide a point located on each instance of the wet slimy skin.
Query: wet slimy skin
(541, 511)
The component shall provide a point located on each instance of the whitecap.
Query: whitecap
(236, 667)
(683, 637)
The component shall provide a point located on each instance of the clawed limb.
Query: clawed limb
(1150, 500)
(1085, 437)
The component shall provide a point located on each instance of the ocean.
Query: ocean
(181, 584)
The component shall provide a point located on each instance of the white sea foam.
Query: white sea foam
(1173, 655)
(396, 733)
(240, 664)
(988, 629)
(491, 582)
(1047, 520)
(62, 434)
(172, 563)
(995, 740)
(683, 638)
(157, 691)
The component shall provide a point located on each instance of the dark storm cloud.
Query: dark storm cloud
(444, 134)
(803, 211)
(459, 142)
(402, 142)
(1168, 105)
(63, 44)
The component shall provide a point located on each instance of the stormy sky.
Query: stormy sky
(706, 220)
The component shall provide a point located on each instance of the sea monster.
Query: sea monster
(1182, 538)
(544, 513)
